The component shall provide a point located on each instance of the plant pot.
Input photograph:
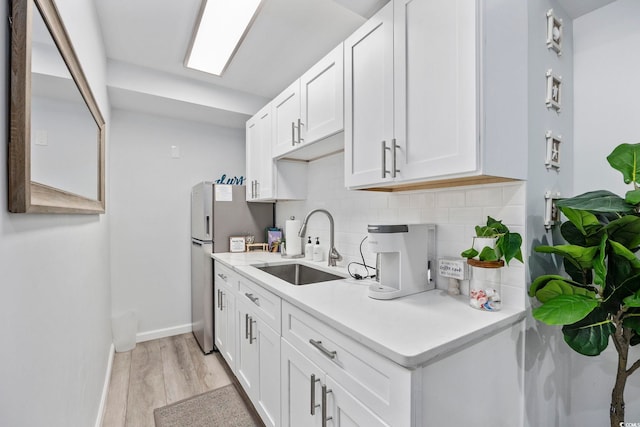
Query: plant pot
(485, 284)
(479, 243)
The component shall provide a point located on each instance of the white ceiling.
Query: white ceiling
(286, 38)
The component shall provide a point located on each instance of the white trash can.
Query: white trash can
(124, 327)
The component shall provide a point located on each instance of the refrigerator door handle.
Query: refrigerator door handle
(207, 225)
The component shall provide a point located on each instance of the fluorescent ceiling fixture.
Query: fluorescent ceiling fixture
(221, 28)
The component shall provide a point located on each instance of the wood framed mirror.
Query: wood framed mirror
(57, 133)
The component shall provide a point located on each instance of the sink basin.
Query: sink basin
(299, 274)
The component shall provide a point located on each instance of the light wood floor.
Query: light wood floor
(157, 373)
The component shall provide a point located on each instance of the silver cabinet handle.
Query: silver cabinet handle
(257, 189)
(246, 326)
(221, 300)
(300, 124)
(293, 134)
(314, 380)
(323, 350)
(384, 159)
(394, 153)
(325, 391)
(253, 299)
(218, 299)
(251, 337)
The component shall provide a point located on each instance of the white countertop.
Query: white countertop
(411, 330)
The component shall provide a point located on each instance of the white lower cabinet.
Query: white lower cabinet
(224, 298)
(310, 397)
(258, 358)
(300, 372)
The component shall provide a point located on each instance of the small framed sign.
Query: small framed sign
(553, 150)
(554, 91)
(551, 211)
(237, 244)
(554, 32)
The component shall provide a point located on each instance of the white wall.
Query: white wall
(55, 319)
(456, 211)
(547, 357)
(150, 212)
(607, 107)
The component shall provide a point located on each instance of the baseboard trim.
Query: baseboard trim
(163, 333)
(105, 389)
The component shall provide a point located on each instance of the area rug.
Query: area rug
(222, 407)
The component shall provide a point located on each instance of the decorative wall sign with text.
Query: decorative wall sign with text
(554, 32)
(553, 150)
(554, 90)
(224, 179)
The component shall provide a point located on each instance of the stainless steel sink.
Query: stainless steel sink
(299, 274)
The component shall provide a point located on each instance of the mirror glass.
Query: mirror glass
(57, 133)
(62, 156)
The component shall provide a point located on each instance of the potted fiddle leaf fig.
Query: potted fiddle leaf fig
(492, 246)
(598, 301)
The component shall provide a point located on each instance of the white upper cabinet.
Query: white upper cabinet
(260, 167)
(269, 180)
(311, 110)
(369, 100)
(417, 106)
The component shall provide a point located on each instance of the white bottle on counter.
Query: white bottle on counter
(317, 251)
(308, 249)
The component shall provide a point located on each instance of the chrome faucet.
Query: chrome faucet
(333, 253)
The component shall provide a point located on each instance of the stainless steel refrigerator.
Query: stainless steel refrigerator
(217, 213)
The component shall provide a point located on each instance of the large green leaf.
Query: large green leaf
(599, 267)
(625, 158)
(542, 281)
(469, 253)
(565, 309)
(577, 273)
(632, 300)
(488, 254)
(622, 251)
(497, 225)
(590, 336)
(509, 245)
(581, 219)
(558, 287)
(580, 256)
(632, 197)
(625, 230)
(597, 201)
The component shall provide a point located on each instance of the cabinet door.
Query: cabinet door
(228, 328)
(286, 115)
(296, 383)
(321, 98)
(268, 385)
(369, 100)
(435, 87)
(260, 166)
(346, 410)
(247, 357)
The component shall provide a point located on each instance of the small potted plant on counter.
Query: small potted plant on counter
(599, 301)
(492, 247)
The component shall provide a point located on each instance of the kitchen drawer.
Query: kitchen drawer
(224, 276)
(266, 305)
(380, 384)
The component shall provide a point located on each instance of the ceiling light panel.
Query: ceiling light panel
(220, 30)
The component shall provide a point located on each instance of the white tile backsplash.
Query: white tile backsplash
(455, 211)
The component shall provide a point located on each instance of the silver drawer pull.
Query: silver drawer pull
(323, 350)
(253, 299)
(314, 380)
(325, 391)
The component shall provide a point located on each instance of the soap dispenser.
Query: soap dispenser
(308, 249)
(317, 251)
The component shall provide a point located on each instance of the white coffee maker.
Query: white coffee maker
(405, 256)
